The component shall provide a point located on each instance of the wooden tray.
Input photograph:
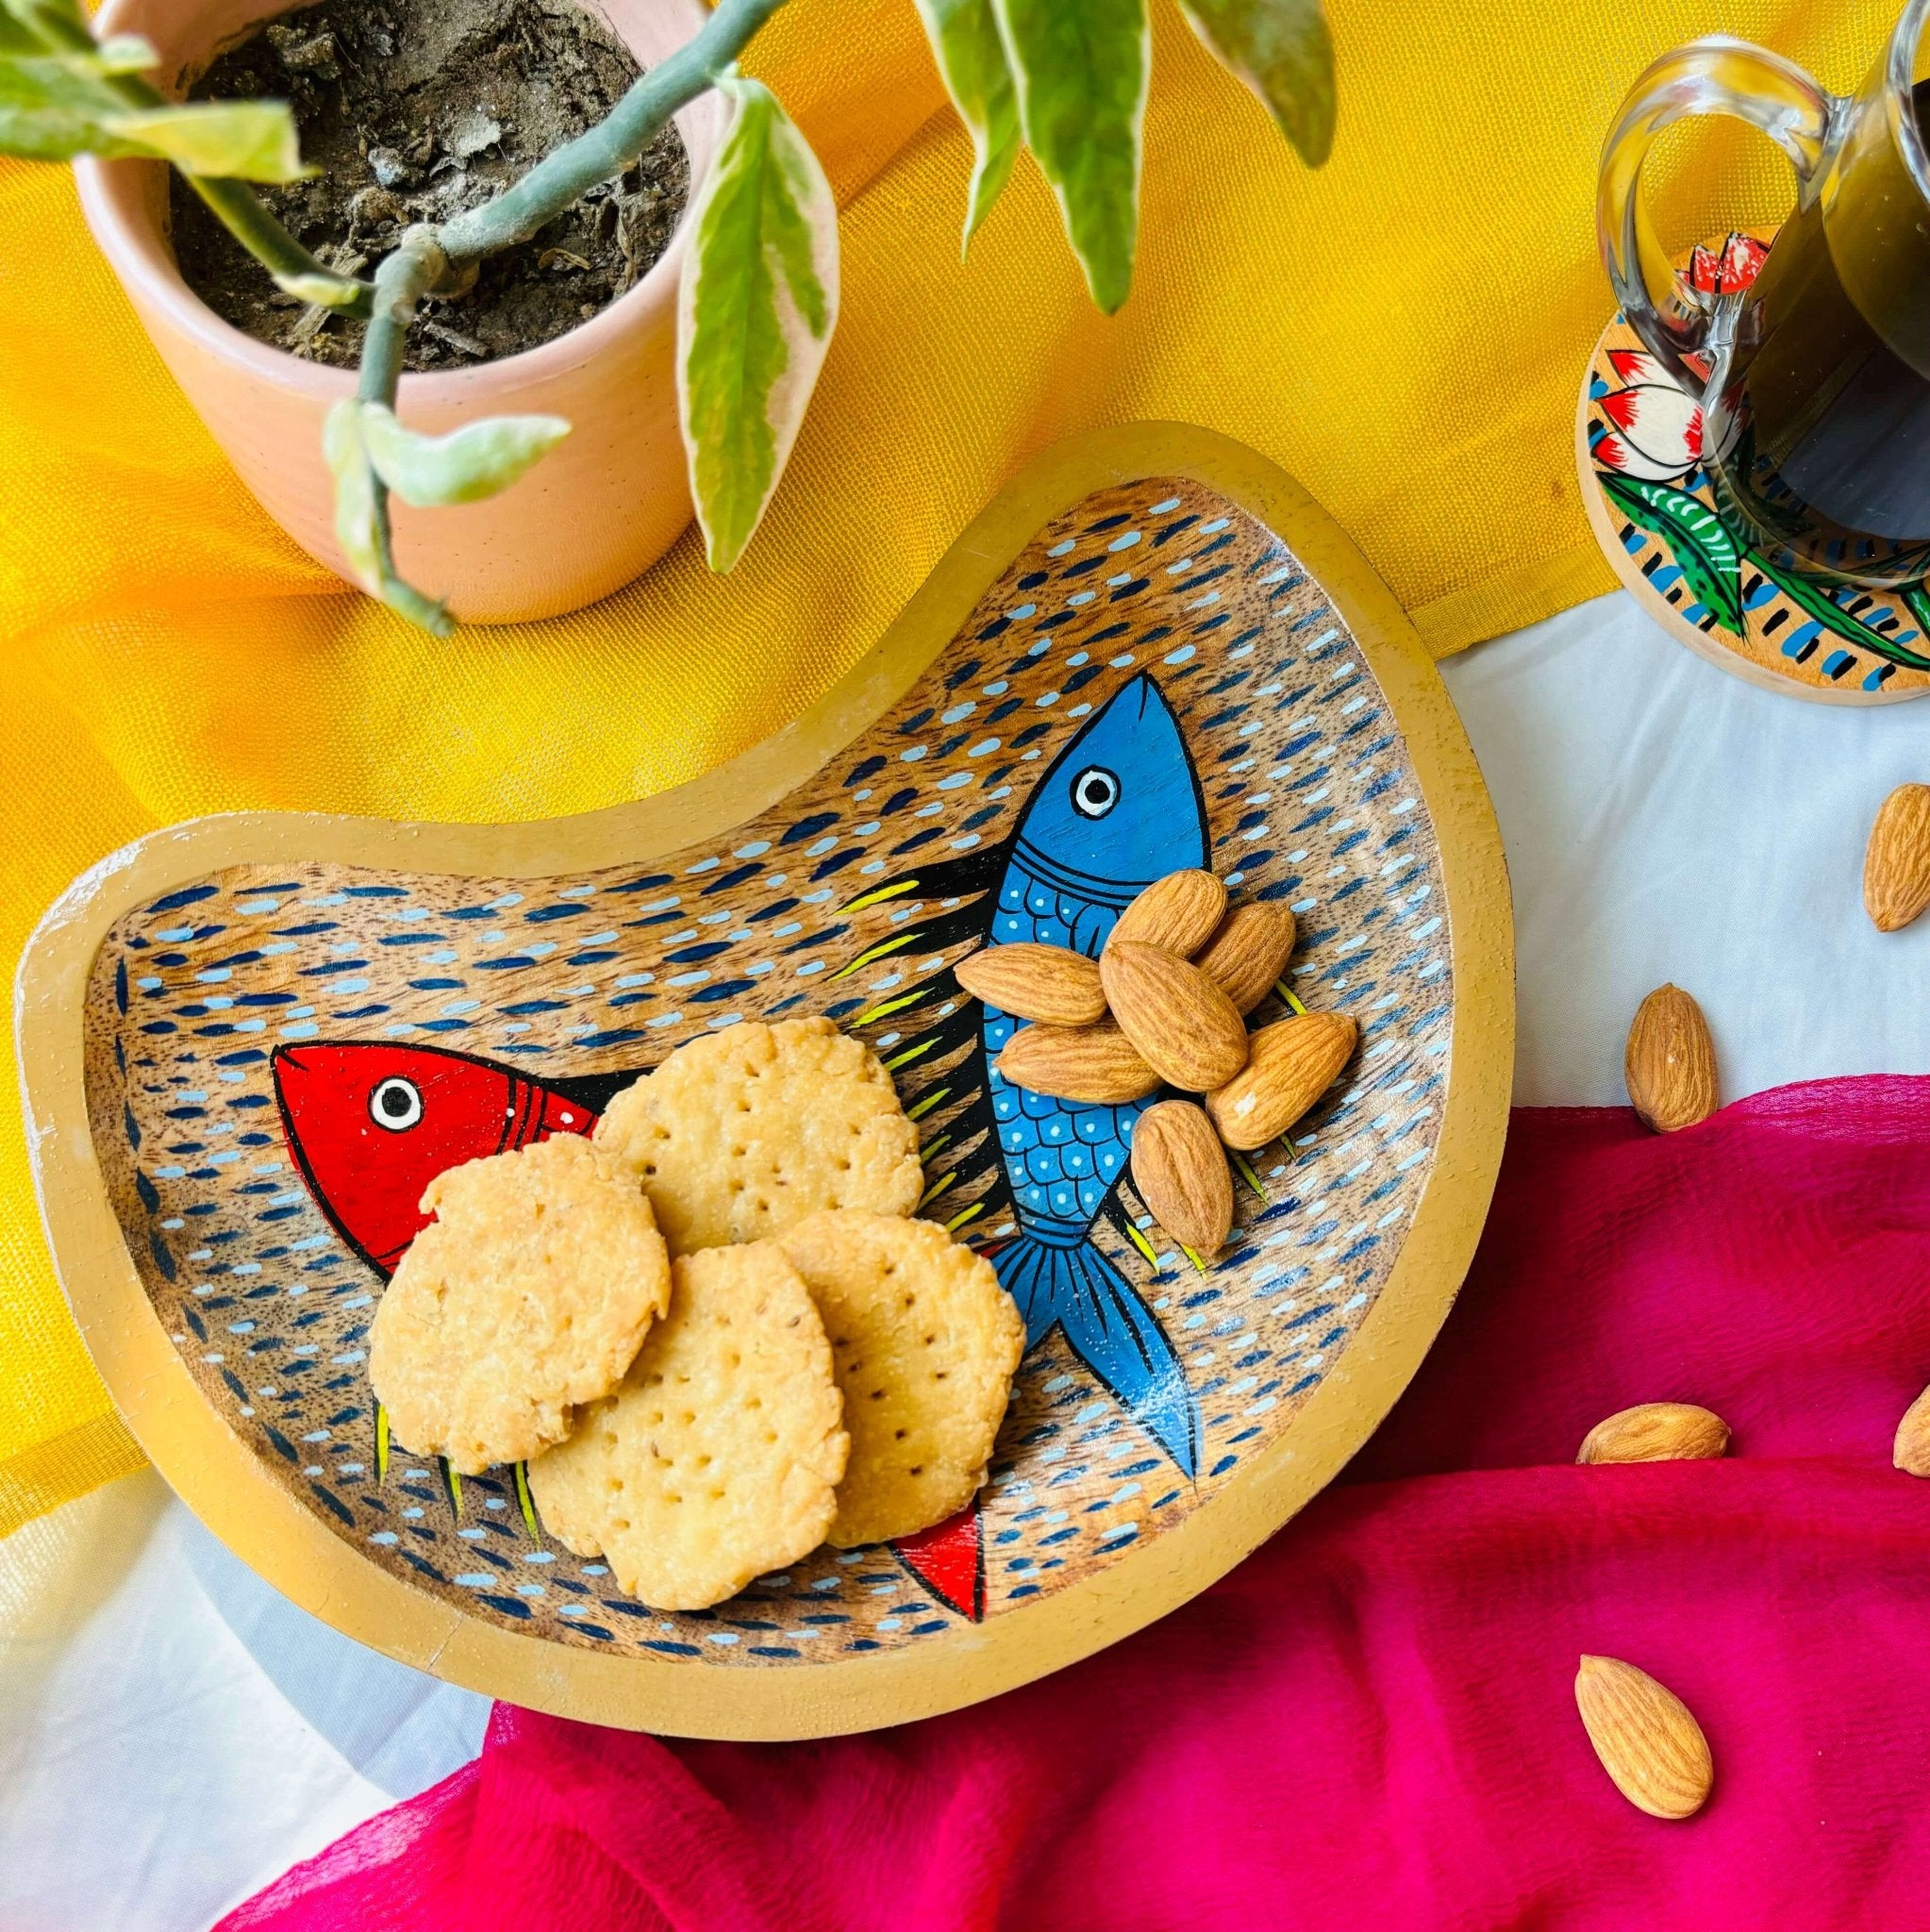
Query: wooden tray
(1155, 604)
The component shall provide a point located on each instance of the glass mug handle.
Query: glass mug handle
(1716, 75)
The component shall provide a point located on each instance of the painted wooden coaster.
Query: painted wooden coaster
(1652, 508)
(246, 1041)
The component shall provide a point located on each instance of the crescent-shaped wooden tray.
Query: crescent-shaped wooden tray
(1155, 606)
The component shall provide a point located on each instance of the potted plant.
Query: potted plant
(687, 389)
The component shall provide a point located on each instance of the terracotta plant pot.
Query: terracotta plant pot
(604, 505)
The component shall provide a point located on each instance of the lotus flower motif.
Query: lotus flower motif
(1656, 432)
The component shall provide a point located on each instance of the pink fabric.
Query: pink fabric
(1372, 1722)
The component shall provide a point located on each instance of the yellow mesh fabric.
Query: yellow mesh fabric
(1403, 331)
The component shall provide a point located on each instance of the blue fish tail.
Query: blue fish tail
(1111, 1329)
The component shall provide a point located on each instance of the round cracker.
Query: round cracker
(925, 1343)
(740, 1134)
(718, 1458)
(528, 1293)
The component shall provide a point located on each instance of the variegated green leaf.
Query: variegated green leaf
(324, 292)
(478, 461)
(124, 53)
(756, 309)
(972, 61)
(237, 141)
(1283, 51)
(51, 22)
(49, 111)
(1081, 68)
(356, 527)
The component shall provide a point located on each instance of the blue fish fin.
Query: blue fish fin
(1111, 1330)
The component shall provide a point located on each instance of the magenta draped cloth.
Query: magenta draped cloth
(1373, 1721)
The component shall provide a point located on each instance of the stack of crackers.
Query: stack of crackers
(712, 1330)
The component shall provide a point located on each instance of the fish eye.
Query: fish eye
(1095, 791)
(396, 1105)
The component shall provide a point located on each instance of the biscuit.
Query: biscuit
(740, 1134)
(924, 1343)
(718, 1458)
(528, 1293)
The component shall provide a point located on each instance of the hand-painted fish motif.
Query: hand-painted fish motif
(371, 1123)
(371, 1126)
(1118, 808)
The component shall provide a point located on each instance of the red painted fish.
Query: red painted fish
(371, 1123)
(371, 1126)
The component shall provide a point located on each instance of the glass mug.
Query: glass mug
(1815, 380)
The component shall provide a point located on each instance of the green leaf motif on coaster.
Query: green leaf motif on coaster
(1815, 599)
(470, 464)
(237, 140)
(756, 309)
(1082, 69)
(1283, 51)
(1699, 541)
(971, 63)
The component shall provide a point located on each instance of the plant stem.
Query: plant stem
(561, 179)
(401, 282)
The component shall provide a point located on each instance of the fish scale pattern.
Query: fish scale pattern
(1309, 801)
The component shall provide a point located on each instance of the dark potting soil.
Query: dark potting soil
(416, 110)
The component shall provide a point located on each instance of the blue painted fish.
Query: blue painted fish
(1118, 808)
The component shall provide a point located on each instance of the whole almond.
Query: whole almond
(1093, 1064)
(1656, 1432)
(1896, 862)
(1289, 1065)
(1912, 1451)
(1177, 912)
(1644, 1734)
(1183, 1025)
(1034, 982)
(1180, 1170)
(1248, 953)
(1669, 1064)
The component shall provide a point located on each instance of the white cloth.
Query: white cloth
(172, 1734)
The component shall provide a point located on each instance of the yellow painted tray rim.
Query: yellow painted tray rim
(263, 1524)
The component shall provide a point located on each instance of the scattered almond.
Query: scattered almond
(1669, 1064)
(1644, 1734)
(1034, 982)
(1183, 1025)
(1289, 1065)
(1177, 912)
(1912, 1452)
(1656, 1432)
(1248, 954)
(1095, 1064)
(1896, 862)
(1180, 1170)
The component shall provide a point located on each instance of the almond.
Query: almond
(1669, 1064)
(1656, 1432)
(1645, 1736)
(1289, 1065)
(1180, 1170)
(1183, 1025)
(1177, 912)
(1248, 953)
(1033, 982)
(1896, 862)
(1912, 1452)
(1093, 1064)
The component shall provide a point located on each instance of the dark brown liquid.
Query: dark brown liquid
(1819, 438)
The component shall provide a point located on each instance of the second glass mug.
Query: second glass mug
(1815, 380)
